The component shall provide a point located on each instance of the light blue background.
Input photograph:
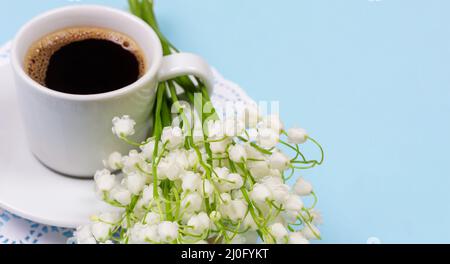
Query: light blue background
(369, 79)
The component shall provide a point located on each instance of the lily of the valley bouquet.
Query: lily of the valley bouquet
(201, 178)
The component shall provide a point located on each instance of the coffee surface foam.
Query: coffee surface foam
(40, 53)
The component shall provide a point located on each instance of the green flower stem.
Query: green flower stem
(128, 141)
(321, 150)
(175, 100)
(135, 7)
(316, 199)
(157, 130)
(296, 149)
(308, 225)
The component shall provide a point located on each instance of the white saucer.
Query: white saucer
(30, 190)
(27, 188)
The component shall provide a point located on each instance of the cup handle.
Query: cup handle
(181, 64)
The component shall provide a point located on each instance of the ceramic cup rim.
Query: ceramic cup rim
(152, 66)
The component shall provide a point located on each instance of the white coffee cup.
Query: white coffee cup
(71, 134)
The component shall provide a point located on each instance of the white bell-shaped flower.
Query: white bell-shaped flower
(279, 190)
(101, 231)
(218, 147)
(191, 181)
(297, 238)
(136, 234)
(237, 210)
(237, 153)
(149, 148)
(172, 137)
(109, 217)
(234, 181)
(83, 235)
(131, 162)
(168, 231)
(114, 161)
(152, 218)
(233, 127)
(135, 183)
(297, 136)
(123, 127)
(215, 129)
(151, 233)
(261, 193)
(279, 232)
(303, 187)
(294, 203)
(169, 169)
(199, 223)
(268, 138)
(279, 161)
(192, 202)
(105, 181)
(121, 195)
(147, 194)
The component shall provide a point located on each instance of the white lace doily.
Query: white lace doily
(16, 230)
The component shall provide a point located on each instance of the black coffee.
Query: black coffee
(85, 61)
